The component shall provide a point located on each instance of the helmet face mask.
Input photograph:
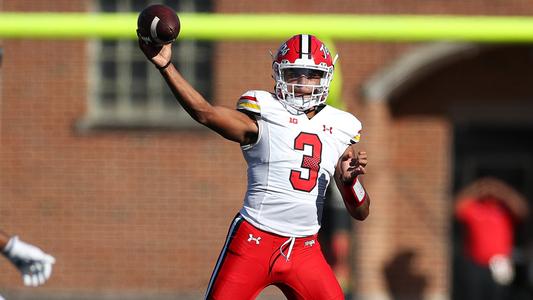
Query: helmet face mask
(302, 56)
(290, 74)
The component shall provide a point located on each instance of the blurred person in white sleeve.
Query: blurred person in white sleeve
(33, 263)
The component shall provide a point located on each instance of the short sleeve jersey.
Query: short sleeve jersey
(490, 229)
(291, 163)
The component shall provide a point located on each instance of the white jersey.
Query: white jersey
(292, 163)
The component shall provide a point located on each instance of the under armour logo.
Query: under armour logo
(251, 238)
(293, 120)
(309, 243)
(330, 129)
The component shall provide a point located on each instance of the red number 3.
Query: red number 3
(311, 163)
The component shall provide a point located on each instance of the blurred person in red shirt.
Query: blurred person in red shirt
(489, 209)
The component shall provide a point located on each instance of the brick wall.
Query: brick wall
(147, 212)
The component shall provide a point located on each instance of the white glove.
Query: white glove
(32, 262)
(501, 269)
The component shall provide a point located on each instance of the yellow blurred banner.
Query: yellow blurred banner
(275, 27)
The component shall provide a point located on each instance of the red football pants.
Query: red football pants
(253, 259)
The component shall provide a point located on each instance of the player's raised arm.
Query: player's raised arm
(231, 124)
(349, 167)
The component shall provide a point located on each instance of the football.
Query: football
(158, 24)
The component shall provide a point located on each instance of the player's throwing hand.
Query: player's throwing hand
(159, 55)
(157, 27)
(32, 262)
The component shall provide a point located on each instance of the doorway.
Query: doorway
(504, 152)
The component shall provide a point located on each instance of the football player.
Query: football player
(293, 143)
(32, 262)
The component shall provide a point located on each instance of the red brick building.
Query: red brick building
(141, 212)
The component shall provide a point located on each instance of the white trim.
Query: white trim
(304, 45)
(153, 30)
(222, 255)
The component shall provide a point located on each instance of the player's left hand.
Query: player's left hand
(352, 164)
(32, 262)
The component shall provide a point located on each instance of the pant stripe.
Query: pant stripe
(231, 233)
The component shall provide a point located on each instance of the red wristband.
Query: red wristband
(357, 191)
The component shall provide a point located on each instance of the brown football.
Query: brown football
(158, 24)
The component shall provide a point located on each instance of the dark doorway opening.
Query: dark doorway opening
(504, 152)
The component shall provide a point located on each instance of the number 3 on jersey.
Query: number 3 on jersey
(309, 162)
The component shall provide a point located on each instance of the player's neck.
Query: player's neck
(310, 113)
(313, 111)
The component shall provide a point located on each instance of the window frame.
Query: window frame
(157, 112)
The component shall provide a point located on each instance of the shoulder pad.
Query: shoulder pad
(348, 124)
(248, 102)
(354, 128)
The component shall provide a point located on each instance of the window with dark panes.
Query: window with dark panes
(127, 90)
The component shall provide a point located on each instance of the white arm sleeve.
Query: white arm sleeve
(34, 265)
